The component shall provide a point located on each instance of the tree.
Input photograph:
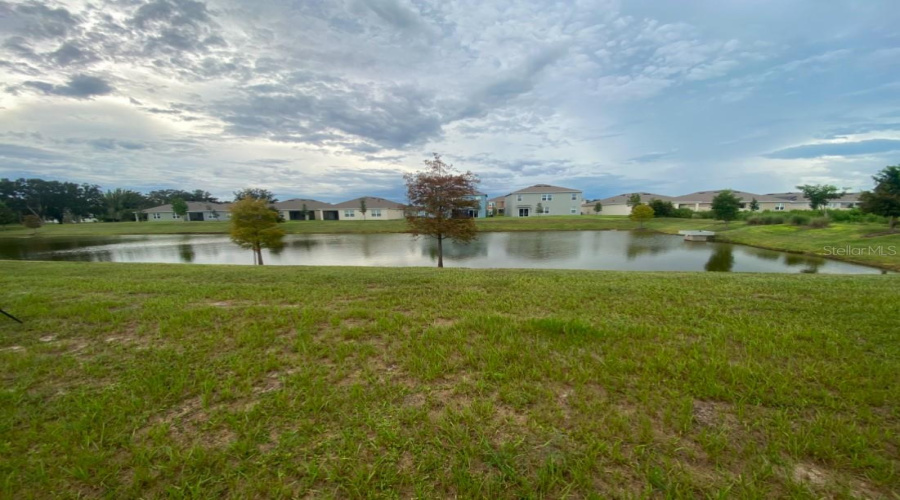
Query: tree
(305, 212)
(598, 207)
(725, 206)
(662, 208)
(51, 199)
(641, 213)
(7, 216)
(121, 204)
(439, 197)
(633, 200)
(257, 193)
(820, 194)
(362, 207)
(255, 226)
(180, 207)
(540, 208)
(754, 205)
(32, 221)
(884, 200)
(166, 196)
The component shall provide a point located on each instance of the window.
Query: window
(157, 215)
(546, 197)
(349, 213)
(376, 212)
(518, 197)
(573, 210)
(574, 198)
(779, 207)
(175, 216)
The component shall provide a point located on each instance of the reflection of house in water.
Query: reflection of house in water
(542, 246)
(640, 243)
(455, 251)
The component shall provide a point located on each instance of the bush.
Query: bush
(705, 214)
(765, 220)
(682, 213)
(754, 221)
(799, 220)
(819, 222)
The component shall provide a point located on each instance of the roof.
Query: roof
(193, 206)
(798, 197)
(544, 188)
(622, 199)
(707, 196)
(371, 202)
(297, 204)
(498, 199)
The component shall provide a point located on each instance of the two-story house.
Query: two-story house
(543, 199)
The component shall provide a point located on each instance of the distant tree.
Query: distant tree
(7, 215)
(32, 221)
(820, 194)
(754, 205)
(51, 199)
(305, 212)
(255, 226)
(641, 213)
(362, 207)
(180, 207)
(598, 207)
(884, 200)
(437, 195)
(121, 204)
(725, 206)
(540, 209)
(257, 193)
(661, 208)
(633, 200)
(165, 196)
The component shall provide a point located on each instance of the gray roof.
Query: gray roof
(621, 199)
(707, 196)
(544, 188)
(798, 197)
(297, 204)
(193, 206)
(371, 202)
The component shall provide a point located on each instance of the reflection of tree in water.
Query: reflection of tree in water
(646, 244)
(542, 246)
(454, 250)
(762, 253)
(812, 265)
(721, 260)
(186, 252)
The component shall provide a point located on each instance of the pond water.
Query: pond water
(610, 250)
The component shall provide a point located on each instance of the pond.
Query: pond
(609, 250)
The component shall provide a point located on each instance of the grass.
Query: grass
(134, 380)
(778, 237)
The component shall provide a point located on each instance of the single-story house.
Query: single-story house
(796, 201)
(618, 205)
(303, 209)
(376, 209)
(701, 201)
(496, 205)
(197, 211)
(543, 199)
(481, 211)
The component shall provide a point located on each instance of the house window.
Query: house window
(546, 210)
(157, 215)
(175, 216)
(349, 213)
(376, 212)
(546, 197)
(779, 207)
(518, 197)
(574, 198)
(573, 210)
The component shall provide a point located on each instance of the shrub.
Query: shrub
(683, 213)
(819, 222)
(754, 221)
(705, 214)
(799, 220)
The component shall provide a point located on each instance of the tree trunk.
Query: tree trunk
(893, 223)
(440, 250)
(259, 256)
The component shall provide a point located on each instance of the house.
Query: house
(543, 199)
(481, 211)
(496, 205)
(618, 205)
(701, 201)
(796, 201)
(303, 209)
(376, 209)
(197, 211)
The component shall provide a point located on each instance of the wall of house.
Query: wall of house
(482, 205)
(386, 214)
(617, 209)
(163, 217)
(561, 204)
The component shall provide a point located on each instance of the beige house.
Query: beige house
(303, 209)
(495, 206)
(701, 201)
(796, 201)
(543, 199)
(197, 211)
(618, 205)
(376, 209)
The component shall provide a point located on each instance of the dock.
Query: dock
(698, 235)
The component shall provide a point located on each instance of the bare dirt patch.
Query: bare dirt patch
(14, 348)
(443, 322)
(713, 413)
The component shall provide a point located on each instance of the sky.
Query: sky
(334, 99)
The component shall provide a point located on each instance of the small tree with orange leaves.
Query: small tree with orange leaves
(439, 201)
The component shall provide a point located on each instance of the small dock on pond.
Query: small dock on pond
(698, 235)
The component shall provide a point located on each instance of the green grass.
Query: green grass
(132, 380)
(778, 237)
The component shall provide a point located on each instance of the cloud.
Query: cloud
(27, 153)
(79, 87)
(873, 146)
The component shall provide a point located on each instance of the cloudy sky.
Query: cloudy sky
(334, 99)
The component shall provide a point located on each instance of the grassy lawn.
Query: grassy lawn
(134, 380)
(779, 237)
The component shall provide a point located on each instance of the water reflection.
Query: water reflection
(614, 250)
